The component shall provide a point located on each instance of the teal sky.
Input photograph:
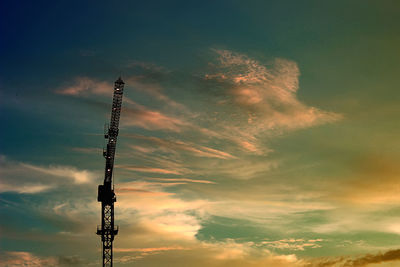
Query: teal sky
(253, 133)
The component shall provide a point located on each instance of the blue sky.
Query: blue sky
(257, 133)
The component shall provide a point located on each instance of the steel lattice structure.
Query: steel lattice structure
(107, 230)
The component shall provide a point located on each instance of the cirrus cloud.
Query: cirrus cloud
(264, 98)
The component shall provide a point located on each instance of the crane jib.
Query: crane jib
(107, 230)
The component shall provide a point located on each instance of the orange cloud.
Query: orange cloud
(149, 249)
(360, 261)
(151, 119)
(121, 191)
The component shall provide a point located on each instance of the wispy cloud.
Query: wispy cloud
(149, 169)
(182, 180)
(293, 244)
(146, 118)
(29, 188)
(266, 97)
(86, 86)
(173, 146)
(26, 178)
(78, 176)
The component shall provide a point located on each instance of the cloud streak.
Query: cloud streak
(147, 169)
(293, 244)
(78, 176)
(86, 86)
(26, 178)
(145, 118)
(173, 146)
(182, 180)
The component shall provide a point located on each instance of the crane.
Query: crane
(107, 230)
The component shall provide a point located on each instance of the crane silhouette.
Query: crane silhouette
(107, 230)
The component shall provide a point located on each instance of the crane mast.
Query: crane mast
(107, 230)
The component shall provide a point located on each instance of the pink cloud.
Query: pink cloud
(151, 119)
(270, 91)
(86, 85)
(248, 146)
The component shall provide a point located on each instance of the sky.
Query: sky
(253, 133)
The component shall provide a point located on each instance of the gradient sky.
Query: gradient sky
(253, 133)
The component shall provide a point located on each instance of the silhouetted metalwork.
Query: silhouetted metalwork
(107, 230)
